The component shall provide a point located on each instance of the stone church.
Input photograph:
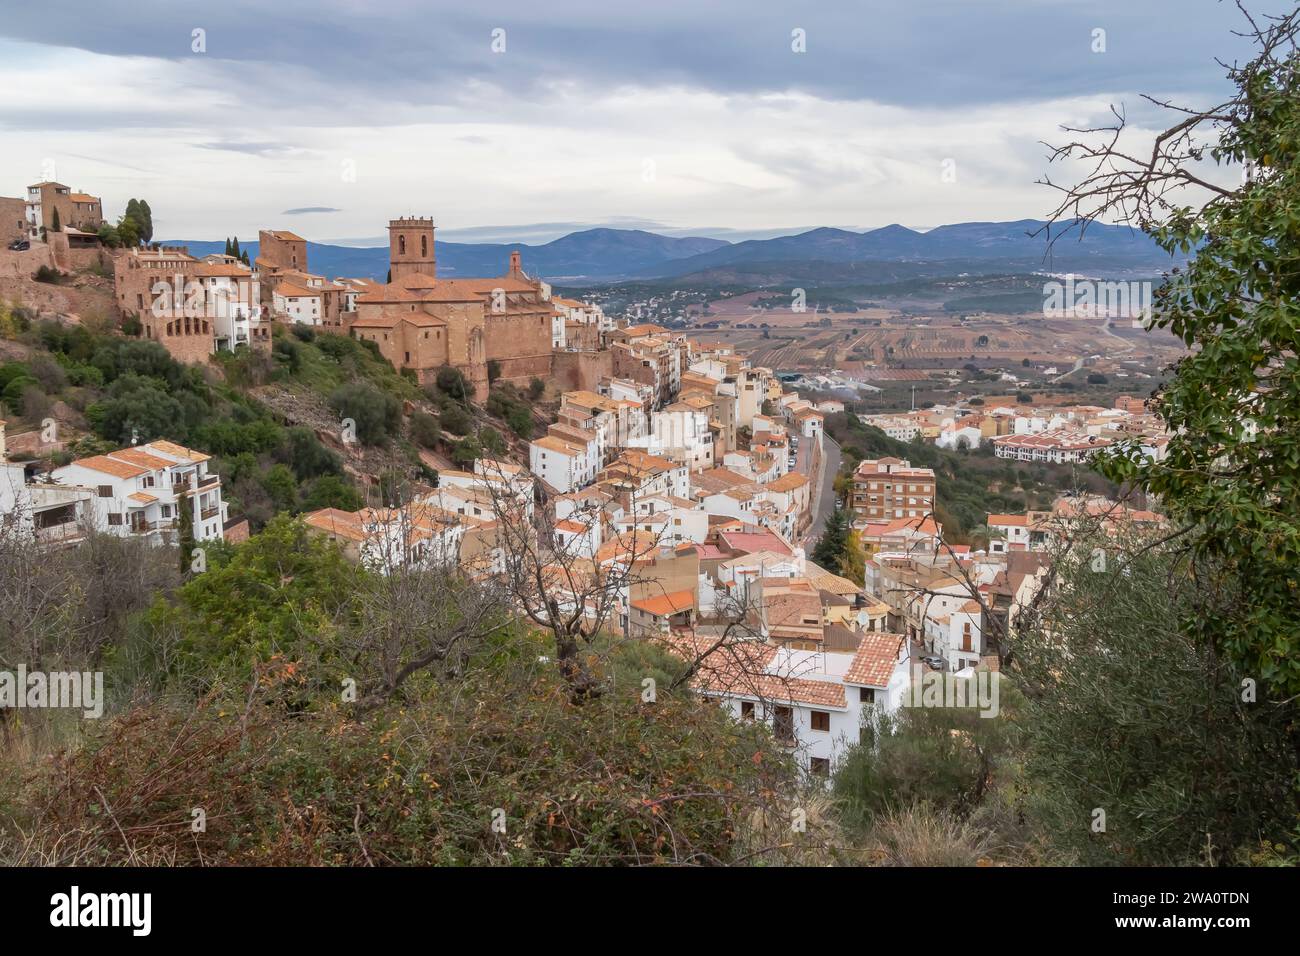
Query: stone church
(421, 322)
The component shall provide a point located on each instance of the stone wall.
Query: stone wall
(573, 371)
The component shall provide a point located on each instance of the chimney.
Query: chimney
(515, 268)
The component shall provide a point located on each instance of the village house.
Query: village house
(140, 491)
(74, 209)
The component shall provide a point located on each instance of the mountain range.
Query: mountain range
(605, 255)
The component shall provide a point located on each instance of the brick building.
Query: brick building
(13, 220)
(422, 322)
(888, 488)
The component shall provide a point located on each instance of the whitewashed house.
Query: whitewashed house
(140, 491)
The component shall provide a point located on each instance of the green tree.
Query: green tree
(467, 451)
(331, 491)
(378, 415)
(280, 484)
(829, 552)
(425, 430)
(1231, 473)
(185, 523)
(55, 225)
(128, 232)
(1129, 712)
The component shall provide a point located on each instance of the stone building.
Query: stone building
(76, 210)
(421, 322)
(13, 219)
(189, 306)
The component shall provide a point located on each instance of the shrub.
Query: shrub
(452, 382)
(377, 414)
(467, 451)
(425, 430)
(456, 419)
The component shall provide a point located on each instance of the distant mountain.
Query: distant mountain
(595, 255)
(1002, 245)
(590, 254)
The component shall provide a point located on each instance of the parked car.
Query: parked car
(794, 462)
(19, 245)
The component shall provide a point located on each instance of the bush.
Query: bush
(304, 333)
(425, 430)
(456, 419)
(331, 491)
(1096, 378)
(536, 388)
(452, 382)
(377, 414)
(492, 442)
(520, 420)
(305, 454)
(288, 353)
(467, 451)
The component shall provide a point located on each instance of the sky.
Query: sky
(529, 120)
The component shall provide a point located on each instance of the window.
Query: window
(819, 766)
(821, 720)
(104, 491)
(867, 695)
(747, 710)
(783, 723)
(115, 517)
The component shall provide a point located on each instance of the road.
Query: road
(824, 501)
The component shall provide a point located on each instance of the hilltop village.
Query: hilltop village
(689, 481)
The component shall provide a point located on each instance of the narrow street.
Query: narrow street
(823, 501)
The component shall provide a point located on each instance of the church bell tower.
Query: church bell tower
(410, 248)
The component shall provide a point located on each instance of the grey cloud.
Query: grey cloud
(927, 53)
(251, 149)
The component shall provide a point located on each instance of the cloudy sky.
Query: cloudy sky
(328, 117)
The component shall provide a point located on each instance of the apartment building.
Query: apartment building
(140, 491)
(1057, 447)
(885, 488)
(190, 307)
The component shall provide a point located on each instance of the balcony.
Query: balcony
(149, 527)
(59, 533)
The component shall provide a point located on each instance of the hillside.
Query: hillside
(272, 420)
(977, 246)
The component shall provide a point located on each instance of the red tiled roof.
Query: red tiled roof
(874, 662)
